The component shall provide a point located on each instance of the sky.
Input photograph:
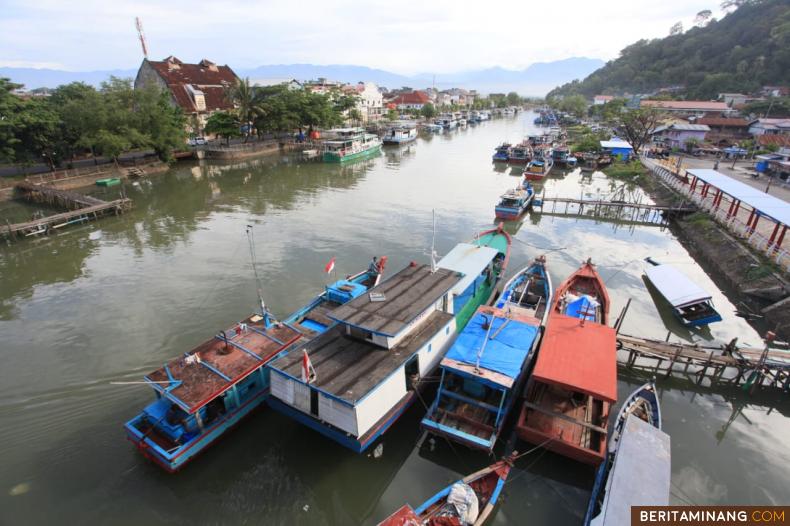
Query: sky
(404, 36)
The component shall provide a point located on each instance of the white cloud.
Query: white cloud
(408, 36)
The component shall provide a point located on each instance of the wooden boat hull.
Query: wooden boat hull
(332, 157)
(487, 485)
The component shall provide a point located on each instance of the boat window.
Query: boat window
(313, 402)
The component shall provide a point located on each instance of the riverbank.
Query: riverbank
(82, 177)
(762, 287)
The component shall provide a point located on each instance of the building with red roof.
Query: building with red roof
(198, 89)
(414, 100)
(689, 107)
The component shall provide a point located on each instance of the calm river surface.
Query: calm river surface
(115, 299)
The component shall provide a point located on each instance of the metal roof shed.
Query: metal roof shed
(761, 203)
(678, 289)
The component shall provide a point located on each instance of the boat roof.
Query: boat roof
(468, 259)
(765, 204)
(579, 357)
(509, 344)
(406, 295)
(616, 144)
(349, 368)
(641, 472)
(220, 368)
(675, 286)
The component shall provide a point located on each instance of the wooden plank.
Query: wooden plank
(565, 417)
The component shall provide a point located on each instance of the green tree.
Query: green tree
(513, 99)
(574, 104)
(10, 107)
(355, 116)
(246, 102)
(82, 116)
(428, 111)
(162, 125)
(223, 124)
(392, 115)
(37, 130)
(637, 125)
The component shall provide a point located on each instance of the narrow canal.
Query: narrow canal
(113, 300)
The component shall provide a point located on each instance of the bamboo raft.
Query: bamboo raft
(80, 208)
(721, 365)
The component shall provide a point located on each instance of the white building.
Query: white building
(370, 102)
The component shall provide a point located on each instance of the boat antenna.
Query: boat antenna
(433, 244)
(253, 262)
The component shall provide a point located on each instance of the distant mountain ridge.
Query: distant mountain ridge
(536, 79)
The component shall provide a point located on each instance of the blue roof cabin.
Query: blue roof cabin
(618, 148)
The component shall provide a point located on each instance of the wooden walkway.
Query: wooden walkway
(635, 212)
(80, 208)
(721, 365)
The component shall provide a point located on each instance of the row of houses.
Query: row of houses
(199, 90)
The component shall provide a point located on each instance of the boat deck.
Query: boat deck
(547, 402)
(349, 368)
(221, 365)
(404, 296)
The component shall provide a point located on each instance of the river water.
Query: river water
(112, 300)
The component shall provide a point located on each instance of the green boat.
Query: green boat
(110, 181)
(349, 144)
(483, 261)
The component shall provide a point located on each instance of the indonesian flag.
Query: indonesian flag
(330, 266)
(308, 372)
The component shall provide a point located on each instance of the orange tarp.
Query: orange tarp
(579, 357)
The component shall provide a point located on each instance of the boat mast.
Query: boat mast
(433, 244)
(253, 262)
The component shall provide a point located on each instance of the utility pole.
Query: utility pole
(141, 34)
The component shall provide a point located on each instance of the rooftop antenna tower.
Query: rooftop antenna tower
(141, 34)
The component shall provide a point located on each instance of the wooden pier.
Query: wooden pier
(729, 364)
(633, 212)
(80, 208)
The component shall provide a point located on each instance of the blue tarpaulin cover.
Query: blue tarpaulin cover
(583, 307)
(504, 354)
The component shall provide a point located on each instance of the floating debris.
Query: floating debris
(20, 489)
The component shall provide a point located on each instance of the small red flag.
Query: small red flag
(330, 266)
(308, 372)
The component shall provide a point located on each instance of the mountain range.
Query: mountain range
(537, 79)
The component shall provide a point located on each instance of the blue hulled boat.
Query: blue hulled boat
(205, 392)
(469, 501)
(514, 202)
(484, 371)
(690, 303)
(502, 152)
(637, 469)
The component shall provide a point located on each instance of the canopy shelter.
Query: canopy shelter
(762, 204)
(579, 357)
(678, 289)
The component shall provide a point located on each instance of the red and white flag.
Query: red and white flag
(330, 266)
(308, 372)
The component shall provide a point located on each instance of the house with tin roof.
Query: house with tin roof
(689, 107)
(414, 100)
(770, 127)
(680, 135)
(198, 89)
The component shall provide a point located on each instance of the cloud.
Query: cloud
(408, 36)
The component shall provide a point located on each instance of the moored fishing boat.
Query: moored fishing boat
(368, 367)
(400, 133)
(560, 155)
(203, 394)
(514, 202)
(350, 144)
(538, 169)
(520, 153)
(485, 369)
(690, 303)
(567, 406)
(637, 469)
(469, 501)
(502, 152)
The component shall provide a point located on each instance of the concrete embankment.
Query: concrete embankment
(762, 288)
(71, 179)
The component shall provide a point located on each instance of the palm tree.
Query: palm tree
(246, 102)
